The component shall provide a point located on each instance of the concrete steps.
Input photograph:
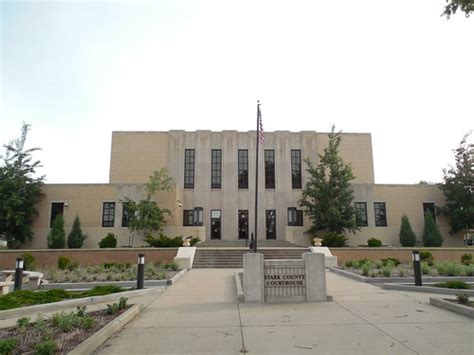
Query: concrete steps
(232, 258)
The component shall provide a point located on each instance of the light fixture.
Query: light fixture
(179, 203)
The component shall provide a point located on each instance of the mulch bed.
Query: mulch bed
(29, 337)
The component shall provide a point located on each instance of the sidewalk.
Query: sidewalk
(200, 315)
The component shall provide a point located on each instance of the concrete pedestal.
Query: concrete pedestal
(253, 278)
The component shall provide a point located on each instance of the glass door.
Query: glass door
(215, 224)
(243, 224)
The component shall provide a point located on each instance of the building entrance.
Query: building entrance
(215, 224)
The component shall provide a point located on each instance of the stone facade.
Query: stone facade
(135, 155)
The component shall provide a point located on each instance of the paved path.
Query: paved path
(200, 315)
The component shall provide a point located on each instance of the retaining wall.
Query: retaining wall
(49, 257)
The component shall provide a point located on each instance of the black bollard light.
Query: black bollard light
(141, 271)
(18, 274)
(417, 267)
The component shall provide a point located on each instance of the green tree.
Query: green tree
(466, 6)
(431, 235)
(458, 189)
(76, 238)
(20, 191)
(146, 216)
(328, 197)
(407, 237)
(57, 236)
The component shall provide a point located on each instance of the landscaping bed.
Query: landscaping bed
(26, 298)
(59, 334)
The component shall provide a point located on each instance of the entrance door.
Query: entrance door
(243, 224)
(270, 223)
(215, 224)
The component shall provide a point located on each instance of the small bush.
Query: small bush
(466, 259)
(453, 284)
(366, 267)
(449, 268)
(29, 262)
(406, 235)
(22, 322)
(194, 241)
(7, 346)
(379, 264)
(115, 307)
(463, 298)
(172, 265)
(57, 237)
(401, 272)
(386, 271)
(76, 238)
(109, 241)
(63, 262)
(163, 241)
(468, 270)
(349, 263)
(46, 347)
(427, 256)
(333, 240)
(374, 243)
(425, 268)
(395, 261)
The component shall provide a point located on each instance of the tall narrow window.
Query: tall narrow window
(296, 169)
(57, 208)
(189, 169)
(197, 217)
(295, 217)
(269, 169)
(270, 218)
(125, 216)
(361, 210)
(380, 214)
(188, 218)
(243, 163)
(216, 168)
(429, 207)
(243, 224)
(108, 214)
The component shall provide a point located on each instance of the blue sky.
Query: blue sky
(77, 70)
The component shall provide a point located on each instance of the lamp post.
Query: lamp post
(18, 274)
(417, 267)
(141, 271)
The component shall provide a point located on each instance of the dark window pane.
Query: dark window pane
(380, 214)
(188, 218)
(269, 169)
(243, 224)
(215, 224)
(216, 168)
(189, 169)
(243, 166)
(295, 217)
(270, 218)
(57, 208)
(429, 207)
(361, 210)
(108, 214)
(296, 169)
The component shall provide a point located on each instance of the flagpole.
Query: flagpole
(256, 177)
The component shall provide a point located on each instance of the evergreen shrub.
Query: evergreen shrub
(407, 237)
(57, 237)
(109, 241)
(333, 239)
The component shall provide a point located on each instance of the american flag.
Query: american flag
(261, 135)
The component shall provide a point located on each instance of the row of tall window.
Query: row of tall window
(194, 217)
(242, 168)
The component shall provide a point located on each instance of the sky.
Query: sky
(78, 70)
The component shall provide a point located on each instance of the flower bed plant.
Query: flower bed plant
(392, 267)
(59, 334)
(28, 298)
(109, 272)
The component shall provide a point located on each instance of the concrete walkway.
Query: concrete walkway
(200, 315)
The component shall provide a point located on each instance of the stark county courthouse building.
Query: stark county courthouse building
(214, 196)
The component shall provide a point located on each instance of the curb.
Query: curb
(56, 306)
(454, 307)
(97, 339)
(425, 289)
(238, 284)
